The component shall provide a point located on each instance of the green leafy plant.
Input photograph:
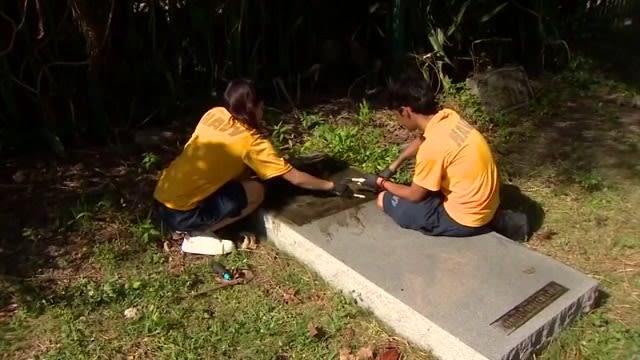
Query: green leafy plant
(589, 181)
(81, 215)
(309, 121)
(359, 145)
(440, 38)
(149, 161)
(145, 232)
(31, 234)
(365, 113)
(460, 97)
(281, 135)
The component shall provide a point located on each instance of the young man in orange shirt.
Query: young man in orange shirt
(455, 189)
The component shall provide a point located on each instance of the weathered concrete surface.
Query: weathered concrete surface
(441, 293)
(301, 206)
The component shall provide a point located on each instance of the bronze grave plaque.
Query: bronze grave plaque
(528, 308)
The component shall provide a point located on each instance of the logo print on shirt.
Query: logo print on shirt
(460, 133)
(219, 124)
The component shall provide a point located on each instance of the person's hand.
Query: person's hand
(371, 181)
(343, 190)
(387, 173)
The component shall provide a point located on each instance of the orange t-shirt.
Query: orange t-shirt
(456, 160)
(220, 150)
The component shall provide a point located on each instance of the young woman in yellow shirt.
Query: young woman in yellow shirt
(204, 188)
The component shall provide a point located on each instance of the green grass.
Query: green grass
(596, 337)
(357, 142)
(595, 234)
(346, 143)
(589, 197)
(459, 97)
(180, 312)
(116, 264)
(589, 203)
(214, 325)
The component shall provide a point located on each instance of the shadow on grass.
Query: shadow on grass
(512, 198)
(53, 220)
(577, 139)
(602, 298)
(581, 123)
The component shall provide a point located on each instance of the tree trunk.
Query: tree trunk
(93, 25)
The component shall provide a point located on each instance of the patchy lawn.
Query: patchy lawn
(575, 151)
(86, 276)
(79, 248)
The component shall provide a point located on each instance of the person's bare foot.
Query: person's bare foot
(244, 240)
(249, 241)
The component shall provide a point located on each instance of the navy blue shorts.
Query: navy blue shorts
(427, 216)
(226, 202)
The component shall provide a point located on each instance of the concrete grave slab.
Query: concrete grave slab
(444, 294)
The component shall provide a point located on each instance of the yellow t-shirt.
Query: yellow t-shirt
(220, 150)
(456, 160)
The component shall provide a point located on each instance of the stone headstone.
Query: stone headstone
(502, 89)
(483, 297)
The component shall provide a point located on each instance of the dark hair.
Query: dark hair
(243, 103)
(412, 91)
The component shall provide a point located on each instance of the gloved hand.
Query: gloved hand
(371, 181)
(341, 189)
(387, 173)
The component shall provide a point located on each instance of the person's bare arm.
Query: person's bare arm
(410, 151)
(307, 181)
(413, 192)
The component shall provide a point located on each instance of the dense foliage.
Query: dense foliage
(90, 70)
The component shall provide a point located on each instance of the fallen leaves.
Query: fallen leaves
(545, 234)
(9, 310)
(345, 354)
(389, 354)
(313, 330)
(389, 351)
(368, 353)
(316, 332)
(289, 296)
(131, 314)
(365, 353)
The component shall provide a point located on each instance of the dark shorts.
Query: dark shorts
(226, 202)
(427, 216)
